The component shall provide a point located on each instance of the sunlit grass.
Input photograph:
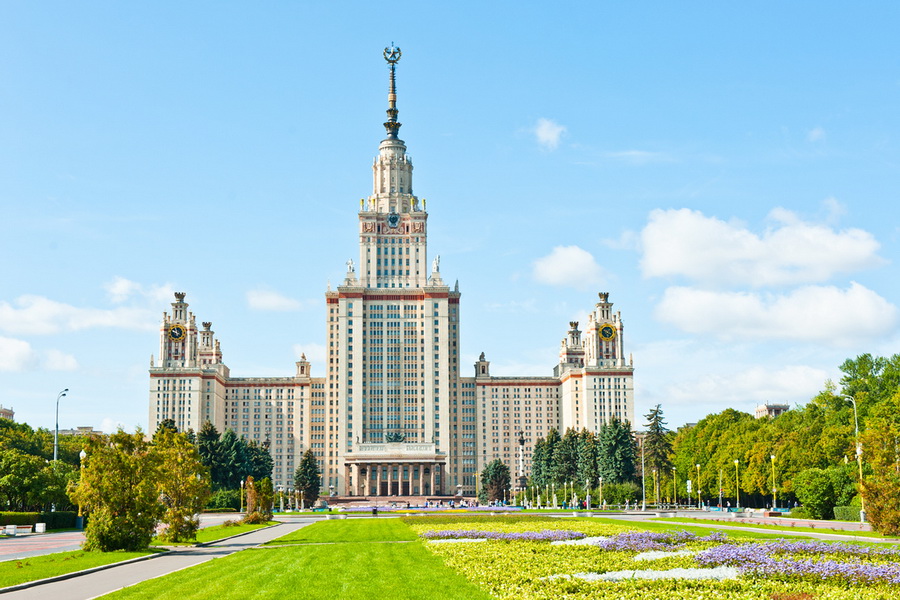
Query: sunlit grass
(13, 572)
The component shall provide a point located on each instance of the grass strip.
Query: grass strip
(788, 528)
(350, 571)
(217, 532)
(349, 530)
(14, 572)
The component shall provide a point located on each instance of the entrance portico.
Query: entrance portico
(395, 469)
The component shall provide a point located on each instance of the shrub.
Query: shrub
(618, 493)
(130, 532)
(19, 518)
(227, 509)
(800, 513)
(846, 513)
(61, 519)
(231, 523)
(882, 493)
(224, 499)
(255, 518)
(815, 490)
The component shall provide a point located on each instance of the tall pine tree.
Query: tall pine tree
(657, 446)
(587, 459)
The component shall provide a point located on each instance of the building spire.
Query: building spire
(392, 126)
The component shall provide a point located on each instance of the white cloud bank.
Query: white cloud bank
(121, 289)
(269, 300)
(41, 316)
(824, 314)
(754, 386)
(16, 355)
(568, 266)
(548, 133)
(715, 252)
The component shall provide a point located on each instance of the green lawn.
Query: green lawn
(333, 559)
(13, 572)
(349, 530)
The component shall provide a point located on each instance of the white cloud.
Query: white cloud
(568, 266)
(712, 251)
(316, 354)
(54, 360)
(270, 300)
(16, 355)
(749, 388)
(39, 315)
(548, 133)
(834, 210)
(823, 314)
(121, 289)
(816, 134)
(110, 425)
(513, 306)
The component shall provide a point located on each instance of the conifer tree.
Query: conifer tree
(307, 478)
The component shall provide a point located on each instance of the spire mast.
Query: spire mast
(392, 126)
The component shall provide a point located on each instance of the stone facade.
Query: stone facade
(393, 414)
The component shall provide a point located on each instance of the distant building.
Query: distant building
(393, 413)
(86, 431)
(771, 410)
(7, 413)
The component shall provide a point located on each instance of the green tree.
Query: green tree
(495, 480)
(265, 497)
(211, 455)
(233, 460)
(539, 460)
(259, 462)
(183, 485)
(881, 451)
(587, 459)
(565, 458)
(119, 488)
(307, 478)
(616, 455)
(657, 447)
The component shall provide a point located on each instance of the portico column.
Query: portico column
(431, 483)
(378, 480)
(421, 479)
(368, 480)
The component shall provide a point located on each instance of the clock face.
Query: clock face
(393, 220)
(607, 332)
(177, 333)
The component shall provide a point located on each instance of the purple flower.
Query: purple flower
(547, 535)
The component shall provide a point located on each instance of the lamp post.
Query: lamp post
(600, 502)
(720, 489)
(737, 484)
(242, 495)
(862, 509)
(643, 479)
(56, 431)
(674, 488)
(79, 522)
(774, 490)
(587, 491)
(698, 485)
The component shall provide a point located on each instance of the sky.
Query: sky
(728, 173)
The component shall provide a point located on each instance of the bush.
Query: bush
(800, 513)
(846, 513)
(224, 499)
(815, 490)
(61, 519)
(882, 493)
(618, 493)
(227, 509)
(107, 532)
(19, 518)
(255, 518)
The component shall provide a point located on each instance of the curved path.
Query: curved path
(109, 580)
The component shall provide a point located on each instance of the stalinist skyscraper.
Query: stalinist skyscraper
(393, 415)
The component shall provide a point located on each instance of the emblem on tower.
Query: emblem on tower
(392, 54)
(392, 126)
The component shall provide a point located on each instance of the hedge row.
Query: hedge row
(55, 520)
(846, 513)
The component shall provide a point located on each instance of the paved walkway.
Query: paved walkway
(110, 580)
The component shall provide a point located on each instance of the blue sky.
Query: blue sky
(729, 174)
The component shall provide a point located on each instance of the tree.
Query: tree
(232, 460)
(183, 485)
(881, 446)
(587, 459)
(258, 460)
(565, 458)
(307, 478)
(616, 456)
(539, 463)
(657, 446)
(265, 497)
(495, 480)
(119, 487)
(209, 448)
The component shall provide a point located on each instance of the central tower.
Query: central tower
(393, 341)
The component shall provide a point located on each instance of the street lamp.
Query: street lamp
(674, 488)
(79, 523)
(643, 479)
(601, 493)
(862, 509)
(698, 485)
(774, 490)
(737, 484)
(56, 431)
(587, 491)
(242, 495)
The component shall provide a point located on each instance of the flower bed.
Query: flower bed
(525, 568)
(547, 535)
